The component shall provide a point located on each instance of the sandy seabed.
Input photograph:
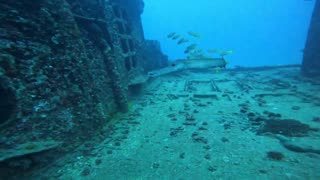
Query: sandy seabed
(209, 125)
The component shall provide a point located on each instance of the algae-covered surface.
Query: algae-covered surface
(207, 125)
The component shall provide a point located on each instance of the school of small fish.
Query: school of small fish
(192, 51)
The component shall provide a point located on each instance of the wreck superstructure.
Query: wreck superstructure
(65, 68)
(311, 52)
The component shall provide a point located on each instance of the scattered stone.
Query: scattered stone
(243, 110)
(202, 105)
(206, 147)
(174, 131)
(85, 171)
(236, 163)
(155, 165)
(207, 156)
(186, 107)
(295, 108)
(123, 137)
(274, 155)
(174, 119)
(194, 134)
(202, 128)
(272, 115)
(189, 123)
(98, 161)
(125, 132)
(257, 121)
(182, 155)
(227, 126)
(316, 119)
(262, 171)
(134, 122)
(172, 96)
(251, 114)
(224, 139)
(201, 140)
(190, 118)
(244, 105)
(212, 169)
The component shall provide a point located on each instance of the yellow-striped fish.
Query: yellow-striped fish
(170, 35)
(175, 36)
(190, 48)
(182, 40)
(194, 34)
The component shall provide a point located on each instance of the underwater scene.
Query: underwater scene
(170, 89)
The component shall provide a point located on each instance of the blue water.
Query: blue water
(269, 32)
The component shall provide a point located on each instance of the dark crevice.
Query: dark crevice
(124, 46)
(7, 105)
(116, 11)
(128, 64)
(120, 27)
(134, 61)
